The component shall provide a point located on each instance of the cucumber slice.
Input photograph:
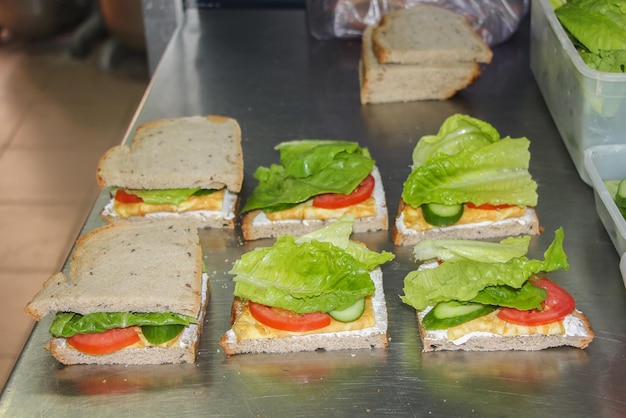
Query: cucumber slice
(620, 196)
(448, 314)
(351, 313)
(442, 215)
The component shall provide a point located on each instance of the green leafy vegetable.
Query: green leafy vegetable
(470, 164)
(525, 298)
(309, 168)
(159, 334)
(67, 324)
(165, 196)
(464, 279)
(598, 30)
(320, 272)
(488, 252)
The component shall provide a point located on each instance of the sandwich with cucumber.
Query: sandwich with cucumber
(134, 293)
(320, 290)
(315, 183)
(489, 296)
(467, 182)
(189, 167)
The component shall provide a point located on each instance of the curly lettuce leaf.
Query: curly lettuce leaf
(457, 133)
(309, 168)
(496, 173)
(463, 280)
(595, 24)
(312, 273)
(485, 251)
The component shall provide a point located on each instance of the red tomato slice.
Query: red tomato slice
(287, 320)
(487, 206)
(338, 200)
(558, 305)
(125, 197)
(104, 342)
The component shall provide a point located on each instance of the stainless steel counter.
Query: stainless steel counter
(262, 68)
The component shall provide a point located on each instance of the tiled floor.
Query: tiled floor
(58, 114)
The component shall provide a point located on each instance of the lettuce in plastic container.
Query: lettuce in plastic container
(598, 30)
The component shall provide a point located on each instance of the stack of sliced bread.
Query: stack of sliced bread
(421, 53)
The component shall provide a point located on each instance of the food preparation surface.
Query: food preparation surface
(262, 68)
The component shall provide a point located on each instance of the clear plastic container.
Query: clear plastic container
(608, 162)
(587, 106)
(622, 267)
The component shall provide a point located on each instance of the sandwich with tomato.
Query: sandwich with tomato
(135, 293)
(317, 291)
(189, 167)
(467, 182)
(316, 183)
(488, 296)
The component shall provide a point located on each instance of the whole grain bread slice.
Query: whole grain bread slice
(136, 267)
(426, 34)
(185, 152)
(387, 83)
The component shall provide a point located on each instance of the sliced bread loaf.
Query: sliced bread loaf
(427, 35)
(387, 83)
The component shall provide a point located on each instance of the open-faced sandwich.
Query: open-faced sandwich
(317, 291)
(488, 296)
(190, 167)
(135, 294)
(316, 183)
(467, 183)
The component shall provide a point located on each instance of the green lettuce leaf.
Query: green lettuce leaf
(457, 133)
(525, 298)
(165, 196)
(462, 280)
(467, 161)
(67, 324)
(308, 274)
(485, 251)
(309, 168)
(159, 334)
(595, 24)
(338, 233)
(607, 61)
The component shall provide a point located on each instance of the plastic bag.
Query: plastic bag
(494, 20)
